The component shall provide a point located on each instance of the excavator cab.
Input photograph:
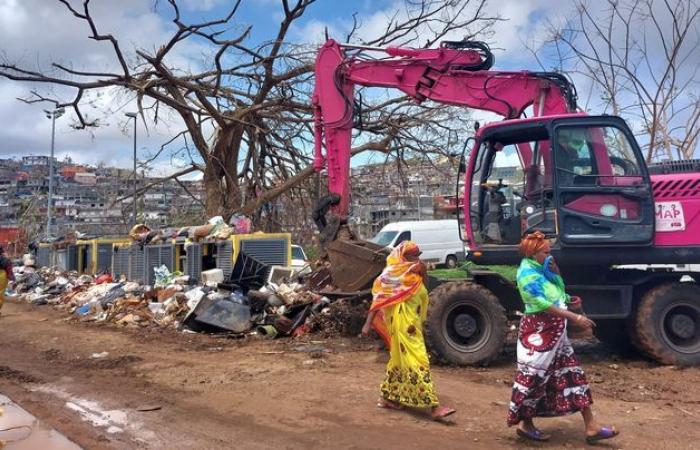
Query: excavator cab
(579, 179)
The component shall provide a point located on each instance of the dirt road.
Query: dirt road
(205, 392)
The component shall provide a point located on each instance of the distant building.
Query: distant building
(85, 178)
(94, 200)
(36, 160)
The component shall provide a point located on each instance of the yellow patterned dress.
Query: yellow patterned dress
(402, 302)
(408, 379)
(3, 286)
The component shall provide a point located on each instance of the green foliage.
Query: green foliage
(312, 252)
(462, 272)
(508, 272)
(449, 274)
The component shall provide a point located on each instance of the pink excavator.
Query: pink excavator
(580, 179)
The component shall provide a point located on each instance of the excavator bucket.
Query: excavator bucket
(355, 264)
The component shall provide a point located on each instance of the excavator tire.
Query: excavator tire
(466, 324)
(667, 324)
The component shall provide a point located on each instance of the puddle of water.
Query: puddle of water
(113, 421)
(26, 432)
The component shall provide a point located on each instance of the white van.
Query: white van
(438, 239)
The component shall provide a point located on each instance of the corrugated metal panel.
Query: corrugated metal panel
(270, 251)
(43, 256)
(137, 268)
(120, 262)
(193, 261)
(61, 259)
(104, 258)
(156, 256)
(72, 258)
(224, 257)
(152, 261)
(167, 256)
(88, 259)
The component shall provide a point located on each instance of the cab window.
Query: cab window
(404, 236)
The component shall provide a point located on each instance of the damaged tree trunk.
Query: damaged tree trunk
(223, 193)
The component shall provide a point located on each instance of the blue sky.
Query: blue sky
(137, 25)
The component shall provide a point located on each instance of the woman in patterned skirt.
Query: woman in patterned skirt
(549, 381)
(399, 307)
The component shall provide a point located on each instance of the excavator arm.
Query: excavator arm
(457, 73)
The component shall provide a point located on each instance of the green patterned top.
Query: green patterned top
(540, 288)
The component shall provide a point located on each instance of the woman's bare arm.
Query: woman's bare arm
(566, 314)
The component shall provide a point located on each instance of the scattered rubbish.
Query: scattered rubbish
(267, 330)
(146, 408)
(104, 278)
(220, 314)
(162, 275)
(246, 300)
(212, 276)
(99, 355)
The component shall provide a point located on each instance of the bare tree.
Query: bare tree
(642, 57)
(254, 95)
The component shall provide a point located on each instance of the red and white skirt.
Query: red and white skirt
(548, 381)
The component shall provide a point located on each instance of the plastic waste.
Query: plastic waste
(193, 297)
(238, 297)
(320, 305)
(157, 309)
(104, 278)
(162, 275)
(269, 331)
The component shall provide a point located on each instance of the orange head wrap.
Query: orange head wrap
(532, 243)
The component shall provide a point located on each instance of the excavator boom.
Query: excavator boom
(455, 73)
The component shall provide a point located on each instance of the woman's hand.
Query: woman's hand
(419, 268)
(584, 321)
(552, 265)
(368, 324)
(366, 329)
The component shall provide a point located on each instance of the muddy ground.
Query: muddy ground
(204, 392)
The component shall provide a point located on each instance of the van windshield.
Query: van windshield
(384, 238)
(297, 253)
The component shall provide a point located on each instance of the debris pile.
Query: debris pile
(245, 302)
(215, 229)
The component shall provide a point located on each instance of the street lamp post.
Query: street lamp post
(132, 115)
(53, 115)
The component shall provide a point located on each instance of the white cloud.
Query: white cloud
(35, 33)
(203, 5)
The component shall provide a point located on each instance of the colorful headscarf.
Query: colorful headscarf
(532, 243)
(399, 280)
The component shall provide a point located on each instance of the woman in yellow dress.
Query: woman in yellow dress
(6, 275)
(399, 307)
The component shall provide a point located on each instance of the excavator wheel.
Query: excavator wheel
(466, 324)
(667, 324)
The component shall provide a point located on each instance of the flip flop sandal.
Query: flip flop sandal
(389, 405)
(602, 434)
(535, 435)
(442, 412)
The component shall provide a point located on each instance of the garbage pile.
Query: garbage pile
(246, 302)
(215, 229)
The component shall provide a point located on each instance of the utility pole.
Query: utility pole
(132, 115)
(419, 206)
(53, 115)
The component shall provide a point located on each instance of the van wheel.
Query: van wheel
(466, 324)
(451, 262)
